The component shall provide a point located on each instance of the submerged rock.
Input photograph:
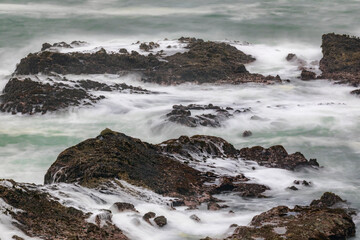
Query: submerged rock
(341, 58)
(277, 156)
(204, 62)
(183, 115)
(299, 223)
(307, 75)
(37, 215)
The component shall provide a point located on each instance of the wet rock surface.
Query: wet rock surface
(307, 75)
(194, 115)
(277, 156)
(28, 96)
(204, 62)
(309, 222)
(341, 58)
(37, 215)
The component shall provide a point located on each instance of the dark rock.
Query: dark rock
(45, 218)
(17, 237)
(307, 75)
(341, 58)
(355, 92)
(182, 115)
(195, 218)
(297, 224)
(122, 206)
(160, 221)
(304, 183)
(28, 97)
(200, 146)
(115, 155)
(291, 57)
(148, 216)
(205, 62)
(148, 47)
(45, 46)
(247, 134)
(277, 156)
(328, 199)
(293, 188)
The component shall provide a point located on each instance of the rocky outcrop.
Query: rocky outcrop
(37, 215)
(277, 156)
(315, 222)
(341, 58)
(183, 115)
(27, 96)
(204, 62)
(161, 168)
(307, 75)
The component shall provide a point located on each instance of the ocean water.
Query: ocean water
(318, 118)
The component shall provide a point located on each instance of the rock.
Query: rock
(122, 207)
(247, 134)
(195, 218)
(148, 216)
(160, 221)
(307, 75)
(182, 115)
(38, 215)
(277, 156)
(341, 58)
(27, 96)
(297, 224)
(356, 92)
(200, 146)
(291, 57)
(148, 47)
(205, 62)
(328, 199)
(293, 188)
(115, 155)
(103, 218)
(304, 183)
(17, 237)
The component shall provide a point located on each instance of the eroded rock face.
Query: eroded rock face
(277, 156)
(299, 223)
(184, 115)
(26, 96)
(205, 62)
(341, 58)
(40, 216)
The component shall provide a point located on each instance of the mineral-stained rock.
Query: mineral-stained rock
(276, 156)
(37, 215)
(341, 58)
(205, 62)
(183, 115)
(299, 223)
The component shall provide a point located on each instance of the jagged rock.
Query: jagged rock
(148, 47)
(341, 58)
(293, 188)
(205, 62)
(291, 57)
(198, 147)
(37, 215)
(27, 96)
(328, 199)
(182, 115)
(303, 182)
(355, 92)
(307, 75)
(161, 221)
(277, 156)
(298, 223)
(122, 207)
